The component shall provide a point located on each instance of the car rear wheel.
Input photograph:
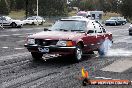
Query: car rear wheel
(13, 25)
(123, 23)
(33, 23)
(41, 23)
(115, 24)
(36, 56)
(130, 33)
(78, 54)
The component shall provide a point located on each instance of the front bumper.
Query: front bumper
(52, 49)
(20, 24)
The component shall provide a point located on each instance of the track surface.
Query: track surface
(18, 70)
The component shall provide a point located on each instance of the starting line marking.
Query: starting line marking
(5, 47)
(118, 66)
(18, 48)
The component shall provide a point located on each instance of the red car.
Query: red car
(68, 37)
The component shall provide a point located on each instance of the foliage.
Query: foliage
(46, 7)
(126, 8)
(87, 5)
(60, 7)
(52, 8)
(3, 8)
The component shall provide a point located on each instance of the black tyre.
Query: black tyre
(33, 23)
(41, 23)
(106, 24)
(77, 54)
(130, 33)
(36, 56)
(123, 23)
(13, 25)
(115, 24)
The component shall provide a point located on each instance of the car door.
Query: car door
(90, 38)
(0, 20)
(39, 20)
(100, 35)
(4, 21)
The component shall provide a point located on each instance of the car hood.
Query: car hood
(56, 35)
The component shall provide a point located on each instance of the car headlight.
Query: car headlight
(64, 43)
(31, 41)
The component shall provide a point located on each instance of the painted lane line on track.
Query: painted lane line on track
(102, 78)
(21, 36)
(118, 66)
(5, 47)
(28, 33)
(4, 35)
(106, 78)
(16, 34)
(19, 48)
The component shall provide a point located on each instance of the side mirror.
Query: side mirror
(90, 31)
(45, 29)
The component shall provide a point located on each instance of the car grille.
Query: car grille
(45, 42)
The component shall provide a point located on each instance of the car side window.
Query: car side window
(98, 27)
(2, 18)
(91, 28)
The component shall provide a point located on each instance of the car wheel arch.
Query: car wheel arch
(13, 24)
(81, 44)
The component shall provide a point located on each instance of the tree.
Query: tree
(52, 7)
(87, 5)
(3, 8)
(126, 8)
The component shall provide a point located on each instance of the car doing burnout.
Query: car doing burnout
(72, 37)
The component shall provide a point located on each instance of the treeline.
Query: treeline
(61, 7)
(123, 7)
(46, 7)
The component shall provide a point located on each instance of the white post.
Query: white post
(37, 11)
(37, 7)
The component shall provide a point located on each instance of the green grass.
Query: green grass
(109, 14)
(72, 13)
(17, 14)
(21, 14)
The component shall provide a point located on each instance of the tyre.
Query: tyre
(115, 24)
(33, 23)
(123, 23)
(106, 24)
(13, 25)
(130, 33)
(77, 54)
(36, 56)
(41, 23)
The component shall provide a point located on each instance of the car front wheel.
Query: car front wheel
(36, 56)
(13, 25)
(78, 54)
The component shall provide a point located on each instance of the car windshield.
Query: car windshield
(78, 26)
(113, 18)
(31, 18)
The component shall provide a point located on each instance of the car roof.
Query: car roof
(83, 19)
